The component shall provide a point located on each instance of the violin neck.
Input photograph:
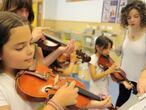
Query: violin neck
(92, 96)
(88, 94)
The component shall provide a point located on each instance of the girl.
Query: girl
(99, 82)
(24, 8)
(17, 53)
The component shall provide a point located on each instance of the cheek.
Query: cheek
(11, 59)
(14, 60)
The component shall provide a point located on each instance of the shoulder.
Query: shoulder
(94, 59)
(6, 81)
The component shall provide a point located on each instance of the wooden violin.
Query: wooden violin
(119, 75)
(40, 85)
(50, 43)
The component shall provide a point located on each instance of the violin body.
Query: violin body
(36, 89)
(105, 62)
(119, 75)
(39, 87)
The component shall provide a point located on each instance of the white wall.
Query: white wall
(88, 10)
(49, 9)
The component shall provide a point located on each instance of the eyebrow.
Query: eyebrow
(22, 43)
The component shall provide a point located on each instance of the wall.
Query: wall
(89, 10)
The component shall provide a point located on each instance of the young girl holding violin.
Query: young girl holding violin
(99, 82)
(17, 52)
(100, 76)
(24, 8)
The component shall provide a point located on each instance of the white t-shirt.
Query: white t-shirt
(9, 96)
(98, 87)
(134, 57)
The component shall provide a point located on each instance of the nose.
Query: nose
(30, 50)
(132, 19)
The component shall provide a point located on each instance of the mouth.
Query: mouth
(132, 24)
(29, 60)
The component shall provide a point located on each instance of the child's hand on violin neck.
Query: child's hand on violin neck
(68, 91)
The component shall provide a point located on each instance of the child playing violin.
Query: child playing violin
(17, 53)
(24, 8)
(99, 82)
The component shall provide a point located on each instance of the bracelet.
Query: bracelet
(55, 105)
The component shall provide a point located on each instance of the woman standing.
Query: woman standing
(133, 19)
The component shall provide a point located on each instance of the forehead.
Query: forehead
(134, 11)
(21, 33)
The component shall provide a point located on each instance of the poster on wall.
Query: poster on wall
(121, 5)
(109, 11)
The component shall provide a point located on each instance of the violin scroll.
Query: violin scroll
(83, 56)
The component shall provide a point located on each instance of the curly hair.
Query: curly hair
(139, 6)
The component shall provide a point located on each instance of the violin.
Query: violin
(41, 85)
(50, 43)
(119, 75)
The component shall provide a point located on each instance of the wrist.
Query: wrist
(60, 51)
(55, 104)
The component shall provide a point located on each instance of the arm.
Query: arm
(73, 65)
(141, 85)
(105, 103)
(60, 50)
(38, 33)
(96, 76)
(48, 60)
(6, 108)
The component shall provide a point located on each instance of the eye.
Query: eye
(136, 16)
(19, 48)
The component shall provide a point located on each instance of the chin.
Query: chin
(25, 67)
